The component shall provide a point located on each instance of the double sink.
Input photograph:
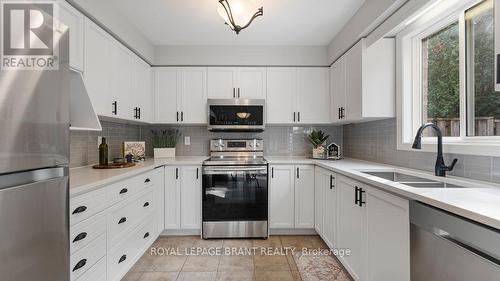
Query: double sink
(410, 180)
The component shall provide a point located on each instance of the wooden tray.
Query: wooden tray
(114, 166)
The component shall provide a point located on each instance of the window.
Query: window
(447, 77)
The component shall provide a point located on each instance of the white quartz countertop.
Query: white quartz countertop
(480, 202)
(85, 179)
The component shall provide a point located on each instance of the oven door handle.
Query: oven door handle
(233, 169)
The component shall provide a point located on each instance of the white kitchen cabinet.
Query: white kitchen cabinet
(497, 45)
(304, 196)
(142, 95)
(363, 82)
(351, 228)
(298, 95)
(319, 182)
(388, 232)
(330, 205)
(75, 21)
(236, 82)
(180, 95)
(172, 198)
(313, 95)
(191, 197)
(122, 76)
(281, 92)
(292, 196)
(282, 199)
(98, 68)
(159, 197)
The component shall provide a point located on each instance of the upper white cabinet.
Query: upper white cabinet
(237, 82)
(75, 21)
(98, 68)
(291, 191)
(142, 91)
(180, 95)
(122, 65)
(363, 82)
(298, 95)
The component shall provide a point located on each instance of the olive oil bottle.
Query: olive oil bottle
(103, 153)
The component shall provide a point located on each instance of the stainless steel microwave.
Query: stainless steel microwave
(236, 115)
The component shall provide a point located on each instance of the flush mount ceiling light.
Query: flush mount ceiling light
(239, 14)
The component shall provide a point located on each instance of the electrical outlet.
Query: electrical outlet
(99, 140)
(187, 140)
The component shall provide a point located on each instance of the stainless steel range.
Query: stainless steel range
(235, 190)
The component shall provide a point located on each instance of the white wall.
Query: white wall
(104, 12)
(368, 17)
(242, 55)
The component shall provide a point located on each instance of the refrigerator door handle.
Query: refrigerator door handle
(28, 177)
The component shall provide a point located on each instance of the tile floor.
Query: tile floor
(176, 259)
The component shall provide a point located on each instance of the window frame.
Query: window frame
(409, 82)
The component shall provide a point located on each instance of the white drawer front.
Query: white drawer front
(86, 231)
(126, 216)
(128, 251)
(96, 273)
(87, 205)
(82, 261)
(122, 190)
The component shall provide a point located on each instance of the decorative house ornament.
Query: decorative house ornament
(333, 151)
(239, 14)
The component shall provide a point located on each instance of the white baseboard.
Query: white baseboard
(180, 232)
(292, 231)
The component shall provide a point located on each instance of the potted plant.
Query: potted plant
(318, 138)
(164, 142)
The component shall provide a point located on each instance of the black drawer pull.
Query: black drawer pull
(123, 191)
(80, 264)
(146, 235)
(80, 209)
(147, 180)
(146, 204)
(80, 236)
(122, 220)
(122, 258)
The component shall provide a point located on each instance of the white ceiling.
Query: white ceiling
(196, 22)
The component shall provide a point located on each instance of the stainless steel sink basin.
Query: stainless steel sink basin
(413, 181)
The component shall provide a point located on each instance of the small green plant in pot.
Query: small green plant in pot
(318, 139)
(164, 142)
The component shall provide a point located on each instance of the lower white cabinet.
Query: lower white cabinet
(374, 225)
(291, 189)
(109, 233)
(326, 199)
(183, 197)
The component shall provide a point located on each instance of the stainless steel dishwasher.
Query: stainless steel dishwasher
(447, 247)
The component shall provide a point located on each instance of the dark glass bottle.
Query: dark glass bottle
(103, 152)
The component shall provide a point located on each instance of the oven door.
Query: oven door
(235, 193)
(236, 115)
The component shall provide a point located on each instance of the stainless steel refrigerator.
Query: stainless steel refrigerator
(34, 182)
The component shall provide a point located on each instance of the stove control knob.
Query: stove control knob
(222, 145)
(251, 145)
(258, 144)
(216, 144)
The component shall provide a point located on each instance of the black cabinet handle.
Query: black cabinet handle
(135, 112)
(147, 180)
(182, 116)
(115, 107)
(234, 92)
(498, 69)
(331, 182)
(139, 113)
(123, 191)
(272, 172)
(80, 264)
(238, 92)
(177, 116)
(356, 192)
(298, 116)
(294, 116)
(122, 220)
(298, 173)
(146, 235)
(80, 236)
(145, 204)
(80, 209)
(176, 173)
(342, 113)
(197, 169)
(361, 202)
(122, 258)
(340, 117)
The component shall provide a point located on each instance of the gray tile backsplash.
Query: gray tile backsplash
(278, 140)
(377, 141)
